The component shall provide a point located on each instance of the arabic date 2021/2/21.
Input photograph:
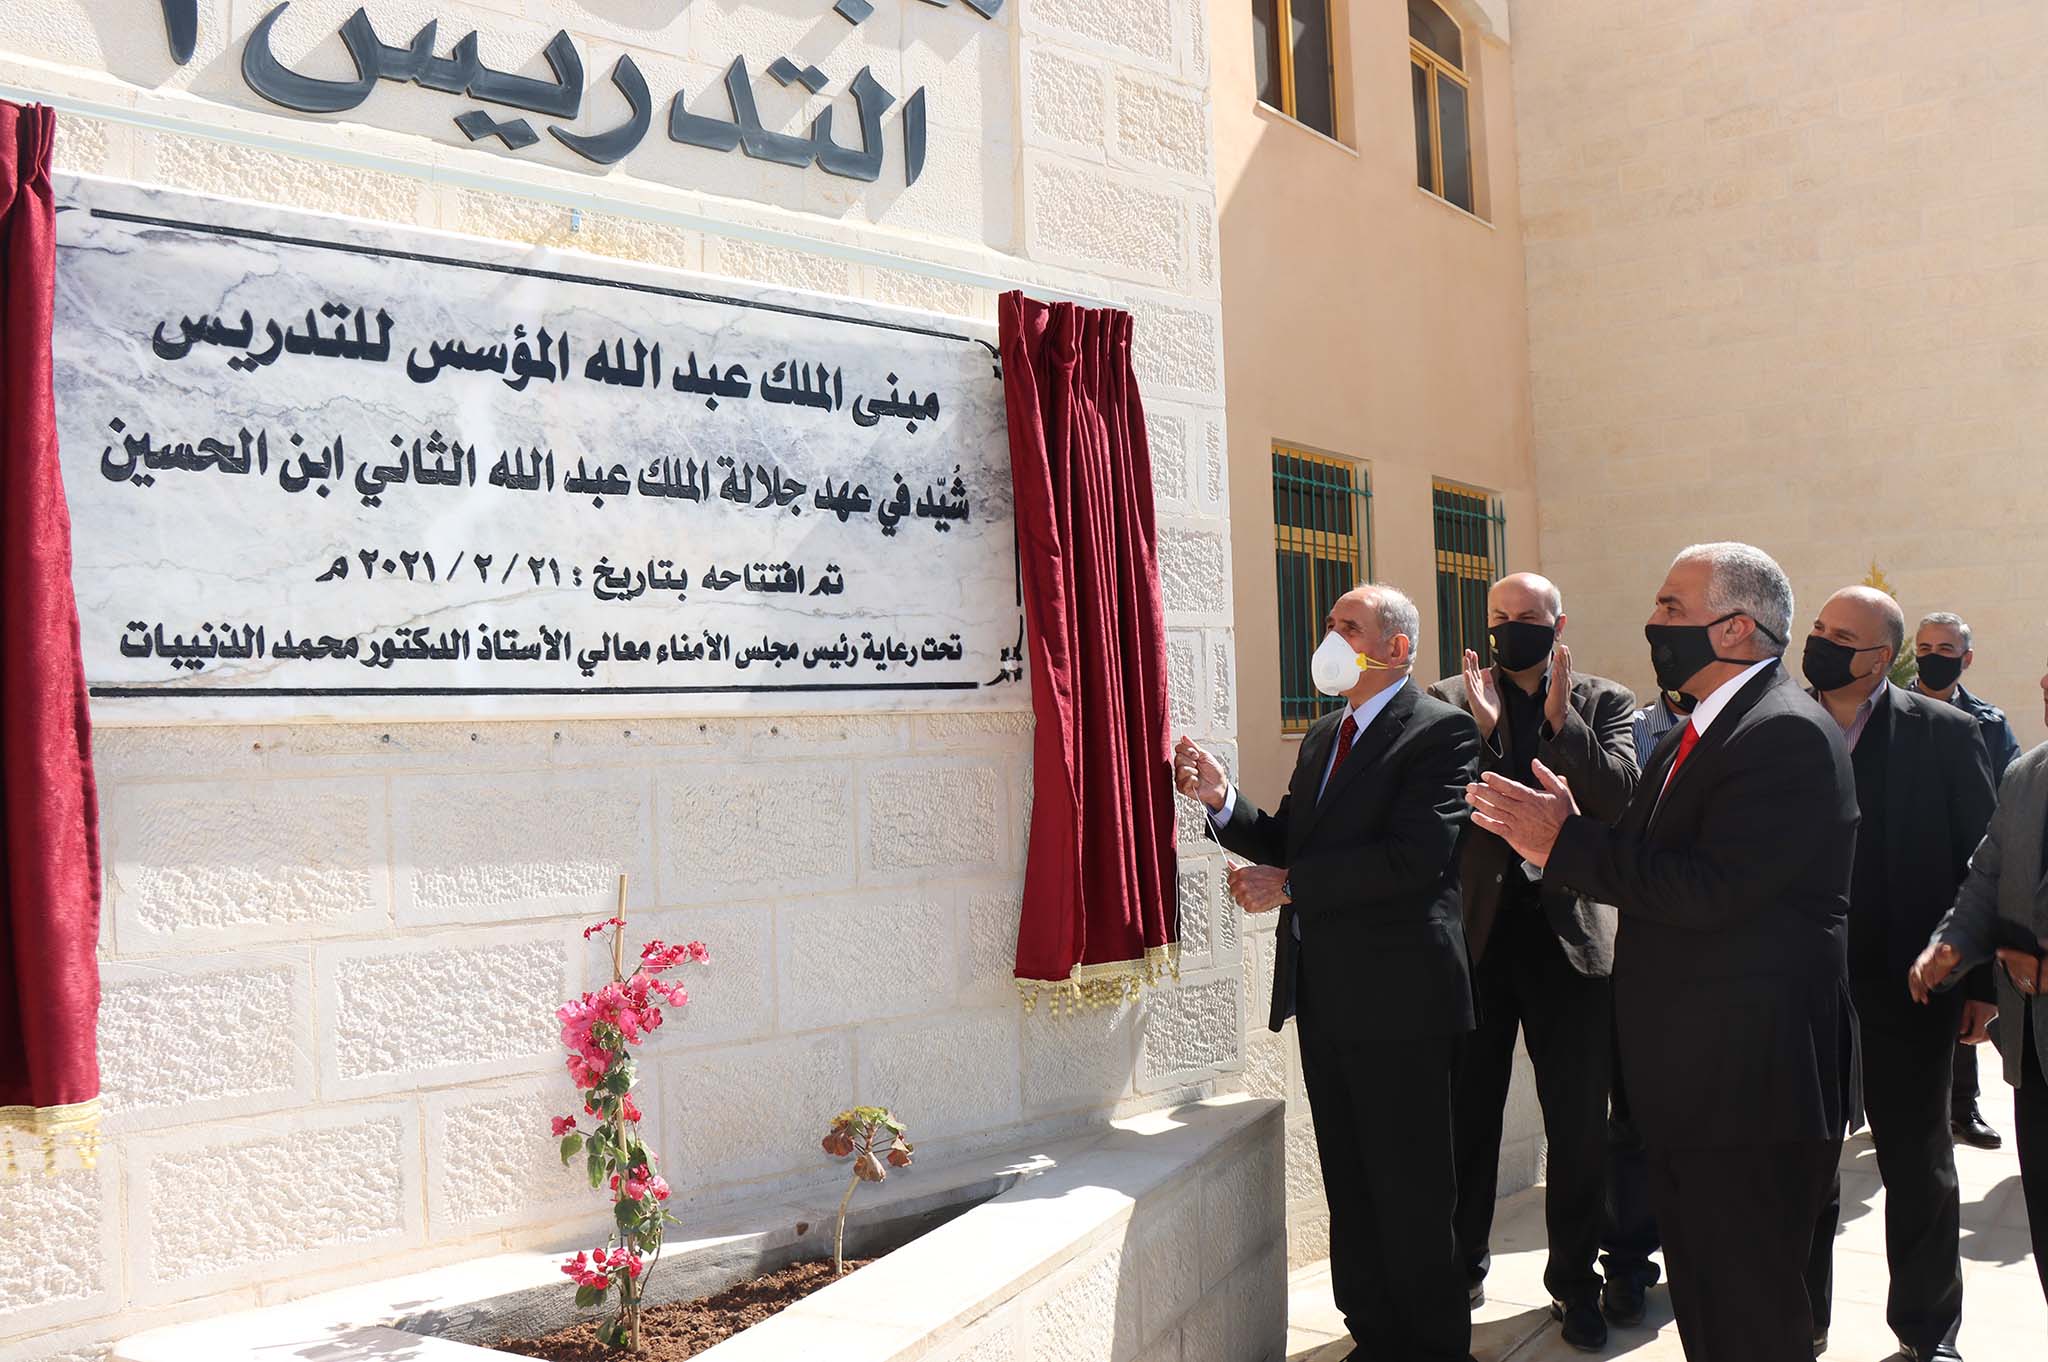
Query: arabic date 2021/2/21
(462, 72)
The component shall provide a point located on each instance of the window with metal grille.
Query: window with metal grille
(1443, 103)
(1322, 547)
(1471, 547)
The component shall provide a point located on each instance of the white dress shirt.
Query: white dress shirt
(1710, 706)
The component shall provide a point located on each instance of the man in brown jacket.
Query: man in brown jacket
(1541, 954)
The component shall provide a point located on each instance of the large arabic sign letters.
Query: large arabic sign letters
(322, 469)
(460, 72)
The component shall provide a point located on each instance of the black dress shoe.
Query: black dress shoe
(1969, 1127)
(1475, 1295)
(1583, 1327)
(1820, 1341)
(1621, 1300)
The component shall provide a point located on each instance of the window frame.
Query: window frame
(1283, 23)
(1316, 545)
(1433, 63)
(1474, 554)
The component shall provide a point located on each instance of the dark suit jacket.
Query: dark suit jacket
(1374, 870)
(1938, 795)
(1596, 752)
(1729, 967)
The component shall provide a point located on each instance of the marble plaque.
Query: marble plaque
(319, 467)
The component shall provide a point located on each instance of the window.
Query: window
(1471, 549)
(1322, 547)
(1443, 104)
(1291, 60)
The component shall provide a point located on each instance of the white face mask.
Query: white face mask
(1336, 666)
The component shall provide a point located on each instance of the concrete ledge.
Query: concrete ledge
(1162, 1235)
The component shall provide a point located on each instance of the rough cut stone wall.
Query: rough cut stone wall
(331, 952)
(1787, 268)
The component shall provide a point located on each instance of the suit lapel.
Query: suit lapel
(1906, 739)
(1315, 755)
(1644, 811)
(2028, 801)
(1370, 745)
(1717, 734)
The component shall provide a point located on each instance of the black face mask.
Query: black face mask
(1679, 652)
(1830, 665)
(1938, 671)
(1519, 645)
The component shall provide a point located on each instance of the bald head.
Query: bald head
(1382, 613)
(1525, 596)
(1865, 628)
(1873, 615)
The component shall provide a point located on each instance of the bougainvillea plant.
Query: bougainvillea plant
(857, 1134)
(597, 1028)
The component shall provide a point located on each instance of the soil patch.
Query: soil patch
(682, 1329)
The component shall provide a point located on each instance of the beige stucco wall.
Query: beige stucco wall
(1366, 318)
(1787, 267)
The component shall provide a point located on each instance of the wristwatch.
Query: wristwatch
(1287, 889)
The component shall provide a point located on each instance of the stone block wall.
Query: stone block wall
(1787, 264)
(331, 952)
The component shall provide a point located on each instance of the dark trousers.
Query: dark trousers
(1630, 1233)
(1525, 982)
(1906, 1086)
(1906, 1059)
(1382, 1116)
(1737, 1225)
(1963, 1089)
(2030, 1115)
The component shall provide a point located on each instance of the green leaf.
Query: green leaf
(595, 1167)
(587, 1296)
(620, 1078)
(626, 1212)
(612, 1334)
(571, 1143)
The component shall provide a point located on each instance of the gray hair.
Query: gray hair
(1949, 621)
(1393, 613)
(1745, 580)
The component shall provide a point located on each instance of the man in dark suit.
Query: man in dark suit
(1361, 860)
(1541, 954)
(1942, 652)
(1731, 870)
(1923, 785)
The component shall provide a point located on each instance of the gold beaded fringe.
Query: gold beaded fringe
(48, 1140)
(1113, 984)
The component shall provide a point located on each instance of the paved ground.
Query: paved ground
(2004, 1316)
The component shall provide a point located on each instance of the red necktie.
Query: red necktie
(1689, 740)
(1346, 731)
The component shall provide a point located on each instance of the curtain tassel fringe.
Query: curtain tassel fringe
(1092, 987)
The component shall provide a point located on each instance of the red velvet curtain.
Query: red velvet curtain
(1099, 903)
(49, 844)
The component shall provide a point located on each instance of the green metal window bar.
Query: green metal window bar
(1322, 532)
(1471, 549)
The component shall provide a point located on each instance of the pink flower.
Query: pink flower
(632, 1109)
(563, 1125)
(640, 1184)
(584, 1272)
